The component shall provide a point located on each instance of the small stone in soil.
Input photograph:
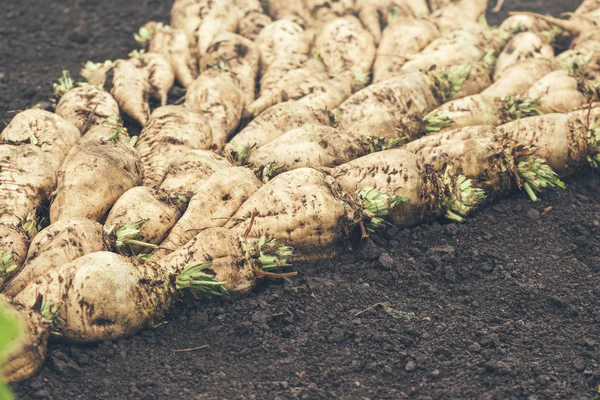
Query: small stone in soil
(475, 347)
(410, 366)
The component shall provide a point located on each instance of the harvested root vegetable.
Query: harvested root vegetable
(109, 131)
(252, 24)
(217, 198)
(524, 46)
(26, 338)
(106, 296)
(272, 123)
(222, 16)
(416, 194)
(527, 23)
(283, 78)
(454, 48)
(345, 46)
(65, 241)
(329, 94)
(132, 90)
(159, 73)
(94, 178)
(216, 94)
(479, 110)
(478, 79)
(187, 173)
(238, 55)
(303, 208)
(560, 139)
(493, 162)
(576, 25)
(237, 262)
(152, 212)
(373, 12)
(582, 58)
(292, 10)
(26, 182)
(14, 243)
(171, 132)
(587, 6)
(454, 14)
(517, 79)
(137, 79)
(51, 132)
(435, 5)
(87, 106)
(394, 108)
(311, 146)
(586, 114)
(325, 10)
(96, 74)
(281, 39)
(186, 15)
(393, 53)
(557, 92)
(174, 46)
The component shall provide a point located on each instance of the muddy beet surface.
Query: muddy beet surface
(503, 306)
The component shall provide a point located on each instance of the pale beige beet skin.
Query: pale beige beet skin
(280, 39)
(188, 172)
(560, 139)
(56, 245)
(217, 198)
(216, 94)
(522, 47)
(488, 161)
(240, 56)
(16, 241)
(174, 46)
(223, 248)
(557, 92)
(103, 133)
(94, 179)
(132, 90)
(393, 53)
(284, 78)
(156, 209)
(519, 78)
(293, 10)
(345, 45)
(330, 93)
(451, 15)
(310, 146)
(394, 108)
(275, 121)
(159, 73)
(102, 296)
(26, 354)
(222, 16)
(454, 48)
(87, 107)
(373, 13)
(27, 180)
(304, 209)
(51, 132)
(172, 131)
(252, 24)
(396, 172)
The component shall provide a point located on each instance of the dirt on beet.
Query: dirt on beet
(503, 306)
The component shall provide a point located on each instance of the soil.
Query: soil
(502, 306)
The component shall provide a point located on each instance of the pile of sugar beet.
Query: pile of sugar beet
(305, 124)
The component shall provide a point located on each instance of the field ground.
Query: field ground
(503, 306)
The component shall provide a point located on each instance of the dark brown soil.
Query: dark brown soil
(503, 306)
